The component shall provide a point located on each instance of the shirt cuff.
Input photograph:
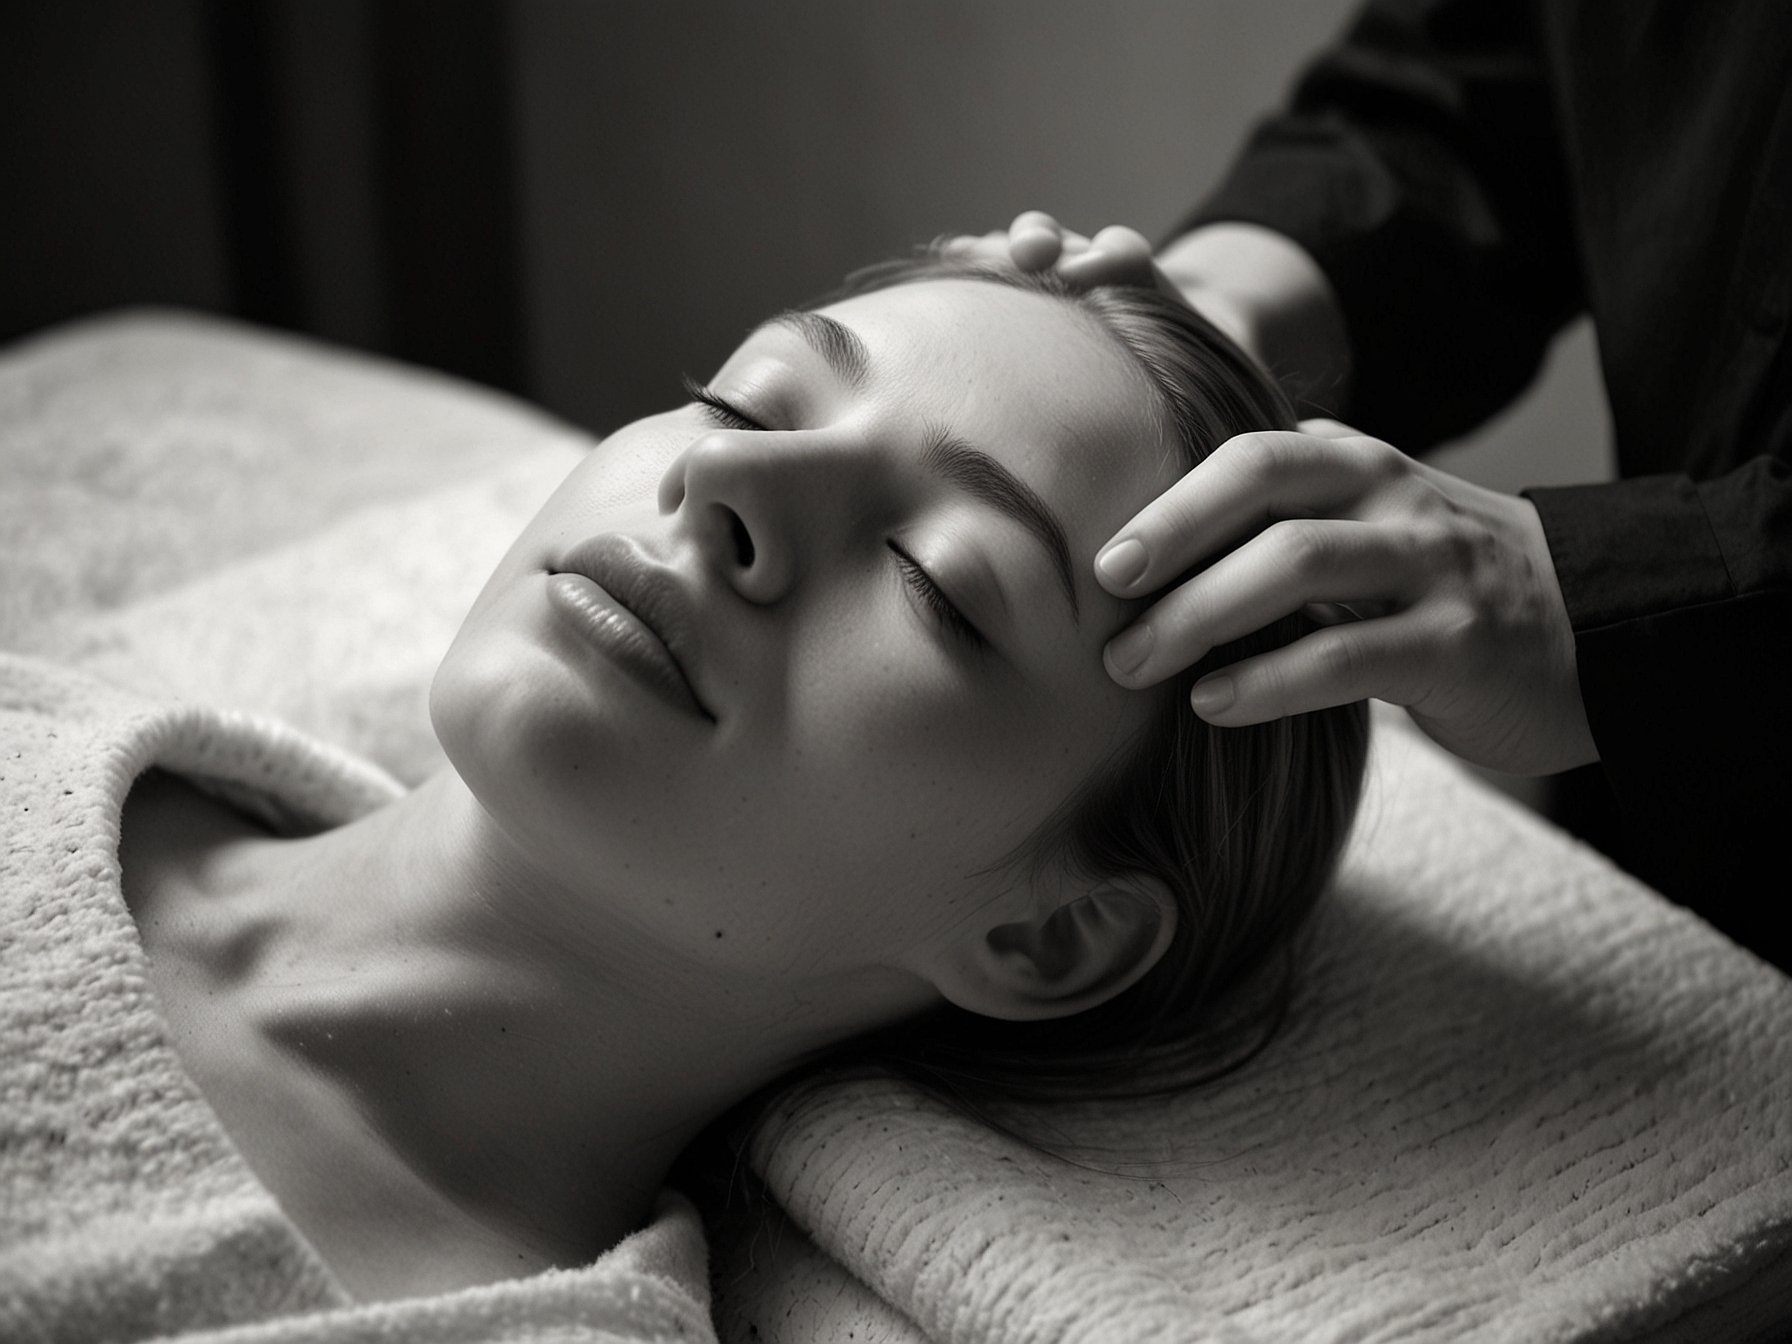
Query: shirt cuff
(1632, 548)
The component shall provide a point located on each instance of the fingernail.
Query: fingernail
(1212, 694)
(1123, 563)
(1127, 651)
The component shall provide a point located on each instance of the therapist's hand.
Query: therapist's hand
(1261, 289)
(1116, 255)
(1035, 241)
(1434, 593)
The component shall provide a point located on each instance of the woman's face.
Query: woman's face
(781, 679)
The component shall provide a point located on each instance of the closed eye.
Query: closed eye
(934, 598)
(724, 414)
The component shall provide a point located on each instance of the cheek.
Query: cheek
(879, 774)
(902, 742)
(616, 488)
(613, 489)
(926, 773)
(624, 471)
(857, 809)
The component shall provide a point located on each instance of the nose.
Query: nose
(759, 504)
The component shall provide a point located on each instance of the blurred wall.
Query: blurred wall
(687, 168)
(580, 199)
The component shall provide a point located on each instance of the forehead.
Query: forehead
(1028, 378)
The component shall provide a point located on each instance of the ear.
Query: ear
(1077, 953)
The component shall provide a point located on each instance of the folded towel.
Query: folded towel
(1520, 1097)
(125, 1212)
(144, 450)
(252, 520)
(339, 633)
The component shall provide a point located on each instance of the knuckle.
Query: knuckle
(1465, 551)
(1120, 241)
(1277, 685)
(1307, 549)
(1180, 515)
(1432, 544)
(1173, 515)
(1463, 629)
(1381, 462)
(1450, 548)
(1254, 455)
(1183, 615)
(1340, 661)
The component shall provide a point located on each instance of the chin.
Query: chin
(549, 754)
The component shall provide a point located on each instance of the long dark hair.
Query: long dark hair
(1243, 825)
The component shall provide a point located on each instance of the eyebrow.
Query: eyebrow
(838, 345)
(970, 469)
(987, 480)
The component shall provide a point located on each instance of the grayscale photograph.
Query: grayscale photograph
(895, 671)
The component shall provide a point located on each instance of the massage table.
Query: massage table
(1518, 1096)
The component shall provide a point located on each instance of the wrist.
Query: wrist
(1269, 295)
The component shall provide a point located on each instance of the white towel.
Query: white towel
(125, 1211)
(1520, 1098)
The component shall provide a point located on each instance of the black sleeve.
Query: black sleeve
(1423, 164)
(1419, 164)
(1679, 586)
(1680, 594)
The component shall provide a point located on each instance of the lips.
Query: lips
(634, 611)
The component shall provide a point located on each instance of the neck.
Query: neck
(543, 1084)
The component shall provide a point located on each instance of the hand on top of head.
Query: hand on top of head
(1036, 241)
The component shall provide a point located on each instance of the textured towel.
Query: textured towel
(141, 451)
(1520, 1097)
(124, 1210)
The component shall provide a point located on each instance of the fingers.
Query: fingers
(1115, 256)
(1036, 241)
(1246, 483)
(1289, 566)
(1388, 659)
(1432, 593)
(1033, 242)
(1035, 249)
(1028, 220)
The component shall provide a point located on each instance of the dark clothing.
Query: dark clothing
(1471, 174)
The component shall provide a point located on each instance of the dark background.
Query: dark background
(576, 201)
